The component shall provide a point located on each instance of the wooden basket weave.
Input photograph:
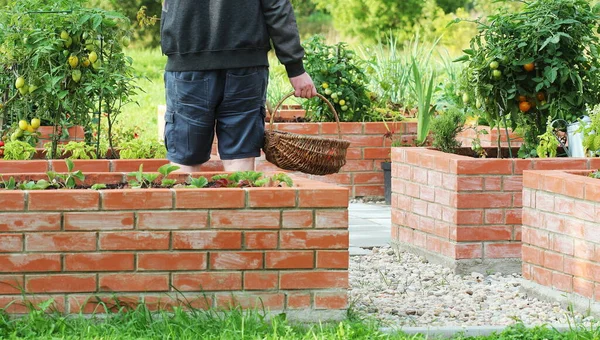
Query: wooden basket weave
(308, 154)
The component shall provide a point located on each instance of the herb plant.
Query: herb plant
(445, 127)
(18, 150)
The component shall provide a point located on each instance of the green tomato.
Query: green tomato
(76, 75)
(465, 98)
(494, 65)
(328, 92)
(497, 74)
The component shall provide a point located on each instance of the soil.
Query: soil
(492, 152)
(288, 120)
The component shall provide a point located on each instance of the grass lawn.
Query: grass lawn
(149, 65)
(235, 324)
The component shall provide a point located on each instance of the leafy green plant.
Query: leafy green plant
(595, 174)
(250, 179)
(197, 183)
(276, 180)
(142, 148)
(445, 127)
(338, 74)
(18, 150)
(591, 132)
(98, 186)
(79, 150)
(423, 87)
(42, 184)
(10, 184)
(146, 180)
(548, 144)
(49, 149)
(165, 170)
(141, 179)
(538, 62)
(67, 180)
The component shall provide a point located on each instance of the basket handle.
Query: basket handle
(337, 119)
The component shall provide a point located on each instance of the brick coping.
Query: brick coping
(570, 183)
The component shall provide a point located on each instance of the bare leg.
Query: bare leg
(188, 168)
(244, 164)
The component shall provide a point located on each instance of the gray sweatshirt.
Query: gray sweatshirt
(199, 35)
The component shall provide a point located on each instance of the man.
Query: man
(217, 73)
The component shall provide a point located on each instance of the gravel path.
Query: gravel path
(412, 292)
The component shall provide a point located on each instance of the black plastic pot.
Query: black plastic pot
(387, 181)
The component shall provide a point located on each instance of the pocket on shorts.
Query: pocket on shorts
(169, 128)
(191, 88)
(248, 82)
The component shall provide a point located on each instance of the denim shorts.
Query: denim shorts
(229, 102)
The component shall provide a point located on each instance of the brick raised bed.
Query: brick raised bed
(561, 236)
(286, 248)
(461, 211)
(490, 139)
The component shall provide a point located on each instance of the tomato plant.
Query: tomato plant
(539, 62)
(338, 75)
(62, 63)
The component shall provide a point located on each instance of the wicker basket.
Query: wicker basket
(307, 154)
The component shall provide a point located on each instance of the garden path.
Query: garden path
(370, 226)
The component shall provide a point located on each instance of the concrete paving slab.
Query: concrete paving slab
(369, 226)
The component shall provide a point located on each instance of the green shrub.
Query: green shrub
(445, 127)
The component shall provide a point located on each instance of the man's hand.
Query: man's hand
(303, 86)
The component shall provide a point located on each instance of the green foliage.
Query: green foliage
(50, 57)
(371, 20)
(548, 144)
(145, 35)
(591, 132)
(79, 150)
(445, 127)
(595, 174)
(67, 180)
(450, 6)
(251, 179)
(141, 179)
(337, 73)
(165, 170)
(556, 40)
(8, 185)
(142, 148)
(197, 183)
(389, 72)
(422, 87)
(18, 150)
(98, 186)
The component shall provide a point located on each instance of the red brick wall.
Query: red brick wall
(286, 246)
(561, 231)
(362, 174)
(489, 138)
(463, 210)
